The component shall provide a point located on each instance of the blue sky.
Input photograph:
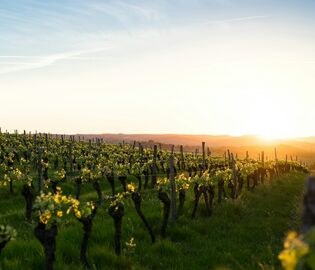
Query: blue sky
(39, 28)
(114, 57)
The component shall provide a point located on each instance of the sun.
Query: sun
(272, 119)
(271, 128)
(268, 137)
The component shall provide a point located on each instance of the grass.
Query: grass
(243, 234)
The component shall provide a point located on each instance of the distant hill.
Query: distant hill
(303, 148)
(178, 139)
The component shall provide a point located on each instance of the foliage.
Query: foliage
(299, 251)
(7, 233)
(51, 208)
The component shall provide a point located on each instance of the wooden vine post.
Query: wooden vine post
(276, 160)
(71, 159)
(173, 187)
(234, 177)
(46, 139)
(40, 169)
(140, 148)
(203, 156)
(182, 157)
(263, 166)
(308, 217)
(35, 141)
(154, 167)
(229, 157)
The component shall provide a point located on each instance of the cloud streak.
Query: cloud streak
(37, 62)
(15, 63)
(238, 19)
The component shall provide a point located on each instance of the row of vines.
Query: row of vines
(36, 166)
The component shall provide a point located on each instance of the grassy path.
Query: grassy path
(242, 234)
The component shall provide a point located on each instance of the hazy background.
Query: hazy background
(302, 150)
(194, 67)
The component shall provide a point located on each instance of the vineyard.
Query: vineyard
(72, 204)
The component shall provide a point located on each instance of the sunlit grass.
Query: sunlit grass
(242, 234)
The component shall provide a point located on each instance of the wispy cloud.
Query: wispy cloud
(25, 62)
(143, 12)
(238, 19)
(94, 44)
(125, 13)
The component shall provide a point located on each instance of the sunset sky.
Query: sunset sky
(197, 67)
